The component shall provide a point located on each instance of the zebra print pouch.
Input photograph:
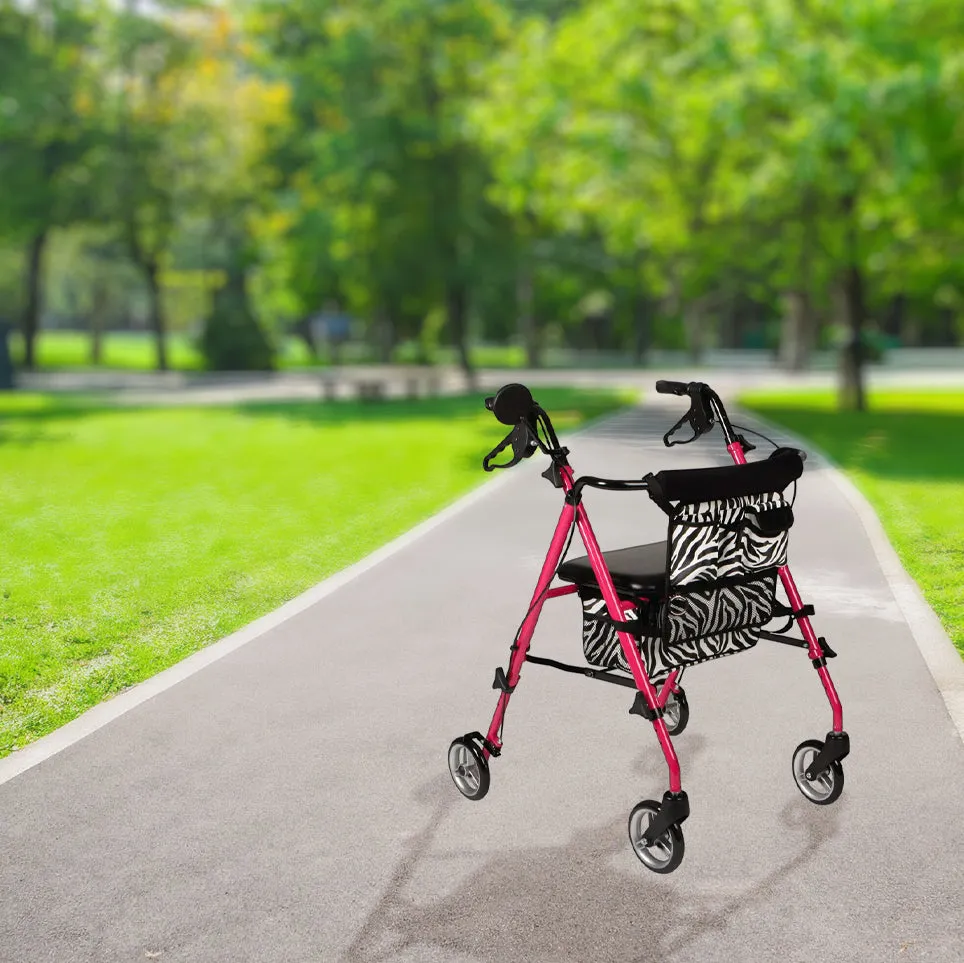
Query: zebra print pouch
(723, 558)
(600, 643)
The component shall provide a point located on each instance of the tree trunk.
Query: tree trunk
(911, 328)
(947, 328)
(729, 316)
(852, 396)
(157, 315)
(642, 311)
(796, 338)
(527, 318)
(232, 339)
(799, 330)
(387, 330)
(896, 312)
(851, 300)
(303, 330)
(694, 324)
(98, 310)
(456, 303)
(641, 322)
(30, 321)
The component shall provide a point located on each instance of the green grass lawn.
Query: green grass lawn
(120, 351)
(906, 454)
(133, 537)
(134, 351)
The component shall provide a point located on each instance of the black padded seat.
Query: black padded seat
(640, 570)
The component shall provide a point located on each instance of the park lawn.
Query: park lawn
(133, 537)
(906, 454)
(121, 351)
(134, 351)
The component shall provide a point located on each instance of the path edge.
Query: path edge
(938, 651)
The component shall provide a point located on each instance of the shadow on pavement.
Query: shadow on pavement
(560, 903)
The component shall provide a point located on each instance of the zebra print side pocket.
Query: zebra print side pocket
(600, 644)
(600, 641)
(765, 537)
(661, 657)
(720, 608)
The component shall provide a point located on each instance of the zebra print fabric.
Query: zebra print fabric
(722, 580)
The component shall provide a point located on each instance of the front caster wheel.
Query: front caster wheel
(824, 788)
(676, 712)
(470, 771)
(666, 852)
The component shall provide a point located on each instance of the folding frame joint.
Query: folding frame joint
(641, 708)
(553, 474)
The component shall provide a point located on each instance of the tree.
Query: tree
(50, 132)
(729, 149)
(390, 183)
(635, 150)
(156, 54)
(230, 116)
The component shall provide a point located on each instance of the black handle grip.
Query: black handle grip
(511, 404)
(671, 388)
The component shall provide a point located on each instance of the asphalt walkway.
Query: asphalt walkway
(291, 801)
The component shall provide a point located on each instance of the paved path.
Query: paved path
(291, 801)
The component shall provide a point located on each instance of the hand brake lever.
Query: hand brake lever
(698, 418)
(523, 446)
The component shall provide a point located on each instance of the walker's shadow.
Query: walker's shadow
(562, 903)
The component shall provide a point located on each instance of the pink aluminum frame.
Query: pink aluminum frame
(616, 607)
(796, 603)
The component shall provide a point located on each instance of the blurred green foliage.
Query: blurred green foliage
(456, 171)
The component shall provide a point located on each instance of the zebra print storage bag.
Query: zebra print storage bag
(722, 565)
(722, 560)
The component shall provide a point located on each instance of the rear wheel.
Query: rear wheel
(468, 768)
(824, 788)
(666, 852)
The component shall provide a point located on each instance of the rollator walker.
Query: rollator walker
(651, 611)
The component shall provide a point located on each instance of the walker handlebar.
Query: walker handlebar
(670, 388)
(513, 405)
